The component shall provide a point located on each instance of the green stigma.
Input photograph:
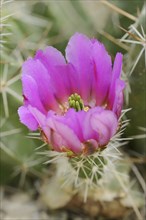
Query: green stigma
(76, 102)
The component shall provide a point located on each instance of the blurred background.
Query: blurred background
(27, 26)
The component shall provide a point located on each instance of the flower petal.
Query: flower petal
(115, 75)
(105, 124)
(119, 97)
(58, 134)
(102, 72)
(55, 63)
(27, 118)
(67, 136)
(40, 117)
(31, 93)
(88, 131)
(38, 72)
(74, 120)
(78, 53)
(51, 57)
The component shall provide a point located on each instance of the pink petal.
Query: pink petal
(54, 63)
(102, 72)
(119, 97)
(69, 138)
(105, 124)
(115, 75)
(78, 53)
(50, 57)
(88, 131)
(31, 93)
(27, 118)
(38, 72)
(74, 120)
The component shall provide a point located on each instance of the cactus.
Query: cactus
(24, 158)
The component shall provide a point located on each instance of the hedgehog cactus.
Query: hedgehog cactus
(75, 102)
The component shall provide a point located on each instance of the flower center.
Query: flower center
(76, 102)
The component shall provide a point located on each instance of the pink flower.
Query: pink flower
(76, 104)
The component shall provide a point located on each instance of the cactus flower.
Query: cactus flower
(75, 102)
